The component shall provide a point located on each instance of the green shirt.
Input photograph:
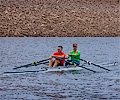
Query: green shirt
(76, 54)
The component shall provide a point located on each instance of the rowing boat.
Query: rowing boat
(46, 69)
(58, 69)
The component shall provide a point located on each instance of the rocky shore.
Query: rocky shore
(59, 18)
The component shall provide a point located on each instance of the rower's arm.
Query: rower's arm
(69, 54)
(61, 56)
(76, 54)
(50, 57)
(58, 56)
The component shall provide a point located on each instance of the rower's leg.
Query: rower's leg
(56, 63)
(75, 62)
(51, 62)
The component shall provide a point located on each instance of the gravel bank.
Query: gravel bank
(59, 18)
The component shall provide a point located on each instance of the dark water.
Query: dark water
(82, 85)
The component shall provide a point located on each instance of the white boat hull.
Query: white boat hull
(57, 69)
(62, 69)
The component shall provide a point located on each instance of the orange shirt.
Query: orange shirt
(62, 54)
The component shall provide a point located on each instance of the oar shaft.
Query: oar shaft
(100, 66)
(32, 64)
(88, 69)
(21, 72)
(91, 63)
(79, 66)
(43, 60)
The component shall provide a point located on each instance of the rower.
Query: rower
(59, 57)
(74, 53)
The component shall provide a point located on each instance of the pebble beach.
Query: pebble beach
(59, 18)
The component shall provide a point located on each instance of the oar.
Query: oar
(78, 65)
(90, 63)
(33, 64)
(24, 71)
(82, 67)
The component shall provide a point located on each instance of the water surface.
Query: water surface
(82, 85)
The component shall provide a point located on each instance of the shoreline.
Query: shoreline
(61, 18)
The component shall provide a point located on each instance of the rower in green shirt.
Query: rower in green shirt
(76, 53)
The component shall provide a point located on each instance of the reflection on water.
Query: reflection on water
(63, 85)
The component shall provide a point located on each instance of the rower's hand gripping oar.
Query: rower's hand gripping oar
(90, 63)
(78, 65)
(33, 64)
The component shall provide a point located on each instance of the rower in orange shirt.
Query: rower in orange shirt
(57, 55)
